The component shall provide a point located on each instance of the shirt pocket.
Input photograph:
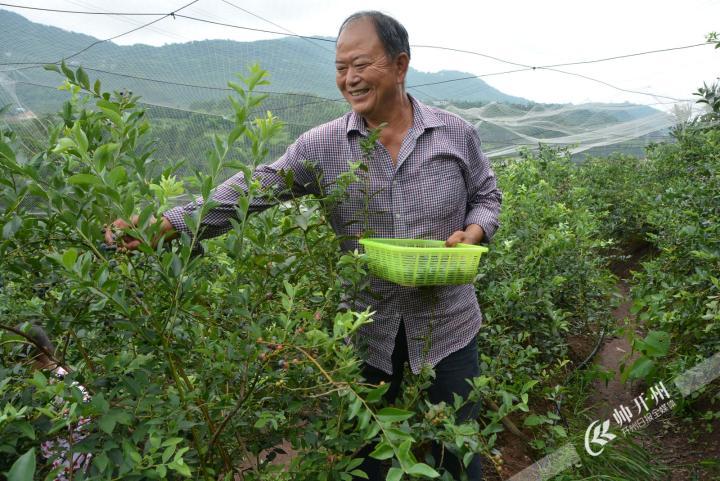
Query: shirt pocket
(444, 192)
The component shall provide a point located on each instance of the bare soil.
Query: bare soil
(687, 447)
(683, 445)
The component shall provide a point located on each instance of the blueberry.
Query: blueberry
(107, 248)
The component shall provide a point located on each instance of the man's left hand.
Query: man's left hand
(472, 234)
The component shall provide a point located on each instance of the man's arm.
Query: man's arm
(273, 188)
(484, 197)
(226, 195)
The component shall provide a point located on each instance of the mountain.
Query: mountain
(296, 65)
(185, 88)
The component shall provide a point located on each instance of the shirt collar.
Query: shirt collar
(423, 118)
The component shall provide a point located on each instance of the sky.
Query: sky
(523, 31)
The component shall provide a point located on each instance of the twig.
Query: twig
(235, 410)
(39, 346)
(508, 423)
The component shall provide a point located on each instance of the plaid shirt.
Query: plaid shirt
(442, 182)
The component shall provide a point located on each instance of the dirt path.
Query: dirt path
(682, 445)
(610, 394)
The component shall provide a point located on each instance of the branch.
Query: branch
(35, 343)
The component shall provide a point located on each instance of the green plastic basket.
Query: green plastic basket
(416, 262)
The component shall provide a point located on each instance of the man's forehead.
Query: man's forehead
(357, 40)
(362, 28)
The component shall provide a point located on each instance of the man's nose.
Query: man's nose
(352, 77)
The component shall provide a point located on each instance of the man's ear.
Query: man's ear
(402, 64)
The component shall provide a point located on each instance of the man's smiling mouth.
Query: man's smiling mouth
(358, 93)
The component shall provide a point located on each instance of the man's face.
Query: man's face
(369, 80)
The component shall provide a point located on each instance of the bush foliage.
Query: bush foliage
(199, 366)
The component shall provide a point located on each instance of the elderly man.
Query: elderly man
(429, 180)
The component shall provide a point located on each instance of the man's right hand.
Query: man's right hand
(126, 242)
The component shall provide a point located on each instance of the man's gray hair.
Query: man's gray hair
(392, 34)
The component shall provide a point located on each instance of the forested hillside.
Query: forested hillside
(178, 81)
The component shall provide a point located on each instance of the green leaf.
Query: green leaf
(656, 343)
(23, 469)
(167, 454)
(422, 469)
(26, 428)
(376, 394)
(404, 455)
(354, 408)
(69, 258)
(68, 72)
(172, 441)
(6, 151)
(534, 420)
(104, 154)
(235, 134)
(83, 79)
(135, 456)
(390, 414)
(394, 474)
(51, 67)
(63, 145)
(81, 139)
(114, 117)
(117, 175)
(101, 461)
(11, 227)
(107, 423)
(180, 467)
(382, 451)
(84, 179)
(641, 368)
(39, 379)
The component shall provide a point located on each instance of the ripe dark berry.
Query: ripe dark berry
(107, 248)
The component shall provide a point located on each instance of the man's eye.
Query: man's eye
(361, 66)
(340, 68)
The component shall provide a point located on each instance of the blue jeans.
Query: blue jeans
(450, 378)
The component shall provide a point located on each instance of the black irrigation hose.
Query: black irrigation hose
(558, 401)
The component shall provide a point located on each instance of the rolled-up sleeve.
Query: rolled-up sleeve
(484, 197)
(273, 189)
